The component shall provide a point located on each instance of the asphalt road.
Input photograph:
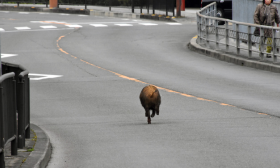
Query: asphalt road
(213, 114)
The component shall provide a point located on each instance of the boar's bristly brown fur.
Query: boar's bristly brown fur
(150, 100)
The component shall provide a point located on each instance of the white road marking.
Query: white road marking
(4, 11)
(124, 24)
(39, 30)
(1, 29)
(125, 19)
(44, 13)
(73, 25)
(82, 15)
(43, 76)
(99, 25)
(65, 14)
(8, 55)
(35, 21)
(22, 28)
(174, 23)
(24, 13)
(48, 27)
(148, 24)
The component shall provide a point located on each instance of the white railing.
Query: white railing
(229, 36)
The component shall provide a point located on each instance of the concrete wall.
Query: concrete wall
(243, 10)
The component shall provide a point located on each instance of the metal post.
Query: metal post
(249, 42)
(207, 33)
(262, 43)
(198, 27)
(217, 34)
(0, 56)
(148, 7)
(110, 3)
(227, 37)
(237, 39)
(132, 5)
(153, 6)
(27, 85)
(21, 117)
(85, 4)
(274, 45)
(166, 7)
(14, 142)
(2, 159)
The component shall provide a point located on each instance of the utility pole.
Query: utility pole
(178, 7)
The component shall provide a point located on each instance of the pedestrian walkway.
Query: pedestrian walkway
(230, 54)
(189, 15)
(36, 153)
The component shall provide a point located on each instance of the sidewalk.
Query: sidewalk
(231, 55)
(36, 154)
(189, 15)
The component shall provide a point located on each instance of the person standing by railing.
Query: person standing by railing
(267, 14)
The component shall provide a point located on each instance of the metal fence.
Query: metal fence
(14, 108)
(8, 124)
(228, 37)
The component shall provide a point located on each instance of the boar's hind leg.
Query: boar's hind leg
(148, 115)
(153, 114)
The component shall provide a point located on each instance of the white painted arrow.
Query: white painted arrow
(43, 76)
(8, 55)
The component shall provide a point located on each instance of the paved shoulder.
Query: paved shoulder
(36, 154)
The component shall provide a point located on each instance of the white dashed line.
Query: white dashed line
(82, 15)
(48, 27)
(124, 24)
(74, 25)
(65, 14)
(44, 13)
(99, 25)
(22, 28)
(24, 13)
(35, 22)
(4, 11)
(2, 29)
(174, 23)
(148, 24)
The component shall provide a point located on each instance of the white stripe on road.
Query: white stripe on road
(23, 12)
(99, 25)
(48, 27)
(22, 28)
(82, 15)
(174, 23)
(124, 24)
(8, 55)
(148, 24)
(65, 14)
(74, 26)
(2, 29)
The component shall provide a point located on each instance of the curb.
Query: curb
(41, 155)
(233, 59)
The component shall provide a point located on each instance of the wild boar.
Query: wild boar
(150, 100)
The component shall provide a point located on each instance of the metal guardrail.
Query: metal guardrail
(8, 123)
(14, 108)
(209, 31)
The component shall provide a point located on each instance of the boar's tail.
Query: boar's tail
(152, 95)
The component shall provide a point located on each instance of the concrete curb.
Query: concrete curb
(233, 59)
(39, 158)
